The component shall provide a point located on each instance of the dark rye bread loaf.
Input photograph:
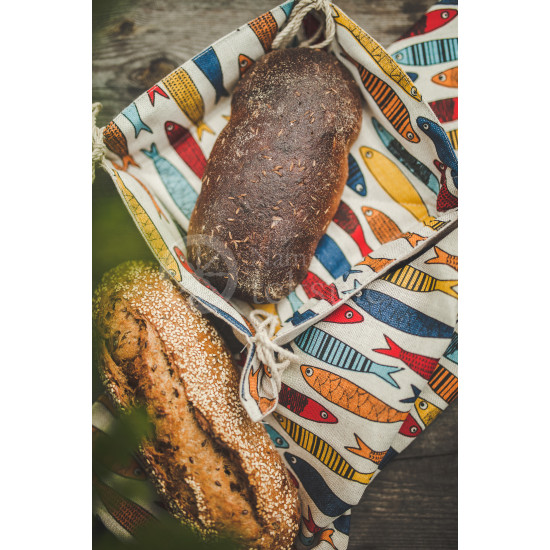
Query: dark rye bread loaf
(276, 173)
(216, 469)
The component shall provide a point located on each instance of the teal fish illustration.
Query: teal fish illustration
(132, 114)
(177, 186)
(428, 53)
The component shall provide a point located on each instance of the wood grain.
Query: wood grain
(413, 503)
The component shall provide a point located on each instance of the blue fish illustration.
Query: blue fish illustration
(356, 180)
(132, 114)
(399, 315)
(278, 441)
(451, 353)
(316, 487)
(421, 171)
(428, 53)
(208, 62)
(177, 186)
(342, 524)
(390, 454)
(332, 258)
(220, 313)
(443, 146)
(412, 399)
(287, 8)
(299, 318)
(331, 350)
(412, 76)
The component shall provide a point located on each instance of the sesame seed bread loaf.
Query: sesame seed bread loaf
(216, 469)
(275, 175)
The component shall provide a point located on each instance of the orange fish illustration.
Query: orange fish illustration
(376, 264)
(383, 227)
(365, 451)
(444, 383)
(448, 78)
(186, 95)
(264, 404)
(245, 63)
(410, 278)
(349, 396)
(445, 258)
(412, 238)
(265, 28)
(116, 142)
(326, 535)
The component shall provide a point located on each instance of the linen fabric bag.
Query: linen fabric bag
(370, 337)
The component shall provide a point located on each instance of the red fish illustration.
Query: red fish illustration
(293, 479)
(365, 451)
(446, 109)
(344, 314)
(315, 287)
(115, 141)
(430, 21)
(156, 89)
(186, 147)
(410, 427)
(442, 257)
(311, 526)
(422, 365)
(304, 406)
(245, 63)
(348, 221)
(445, 200)
(265, 28)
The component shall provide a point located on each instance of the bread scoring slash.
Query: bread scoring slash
(276, 173)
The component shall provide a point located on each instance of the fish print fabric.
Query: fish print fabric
(373, 325)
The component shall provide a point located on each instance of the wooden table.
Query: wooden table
(413, 503)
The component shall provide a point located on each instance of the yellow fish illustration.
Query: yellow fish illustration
(321, 450)
(383, 59)
(453, 138)
(149, 231)
(410, 278)
(426, 411)
(397, 186)
(187, 96)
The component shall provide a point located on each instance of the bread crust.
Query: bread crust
(275, 175)
(216, 469)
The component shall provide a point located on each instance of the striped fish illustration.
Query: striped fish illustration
(446, 110)
(448, 78)
(442, 145)
(153, 200)
(277, 439)
(350, 396)
(376, 264)
(126, 513)
(356, 180)
(132, 114)
(411, 278)
(442, 257)
(445, 199)
(397, 314)
(383, 227)
(412, 238)
(453, 138)
(451, 353)
(153, 91)
(430, 22)
(265, 28)
(149, 231)
(423, 366)
(304, 406)
(316, 487)
(347, 220)
(208, 62)
(176, 184)
(186, 147)
(332, 257)
(410, 427)
(245, 63)
(444, 383)
(384, 61)
(388, 101)
(391, 453)
(427, 411)
(397, 186)
(322, 451)
(331, 350)
(428, 53)
(187, 97)
(365, 451)
(116, 142)
(411, 163)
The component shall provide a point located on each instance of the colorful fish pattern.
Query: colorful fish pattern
(447, 78)
(332, 257)
(132, 114)
(430, 22)
(444, 258)
(383, 227)
(444, 383)
(245, 63)
(356, 179)
(411, 278)
(265, 28)
(116, 142)
(446, 110)
(207, 61)
(365, 451)
(445, 199)
(304, 406)
(155, 90)
(427, 53)
(186, 147)
(348, 221)
(453, 138)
